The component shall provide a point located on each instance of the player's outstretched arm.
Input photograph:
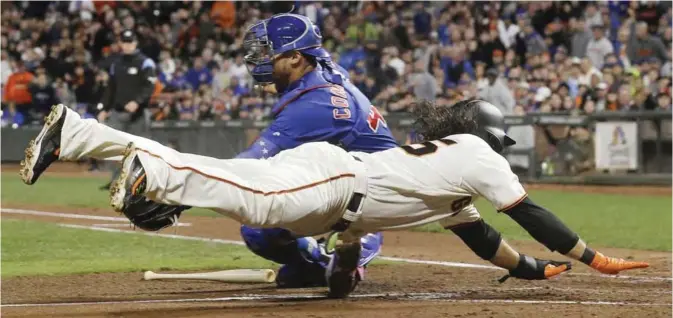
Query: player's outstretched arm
(488, 244)
(549, 230)
(491, 177)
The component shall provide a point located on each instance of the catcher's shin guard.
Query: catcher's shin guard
(132, 180)
(45, 148)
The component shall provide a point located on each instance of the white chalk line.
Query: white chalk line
(223, 241)
(71, 215)
(131, 226)
(447, 297)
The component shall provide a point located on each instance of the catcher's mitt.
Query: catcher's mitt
(152, 216)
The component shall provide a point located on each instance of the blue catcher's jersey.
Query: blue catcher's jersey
(317, 108)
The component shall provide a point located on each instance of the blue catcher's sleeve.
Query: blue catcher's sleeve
(261, 149)
(310, 118)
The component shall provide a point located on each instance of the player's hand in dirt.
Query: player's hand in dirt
(611, 265)
(531, 268)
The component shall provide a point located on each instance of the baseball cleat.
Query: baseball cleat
(132, 180)
(612, 266)
(342, 273)
(45, 148)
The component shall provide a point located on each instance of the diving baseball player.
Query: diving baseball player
(318, 188)
(317, 103)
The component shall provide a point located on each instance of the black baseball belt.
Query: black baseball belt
(353, 209)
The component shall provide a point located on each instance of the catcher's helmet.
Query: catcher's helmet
(491, 126)
(276, 35)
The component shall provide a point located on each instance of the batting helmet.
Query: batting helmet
(276, 35)
(491, 126)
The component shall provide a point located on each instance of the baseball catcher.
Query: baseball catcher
(319, 188)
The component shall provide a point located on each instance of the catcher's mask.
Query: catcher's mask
(266, 40)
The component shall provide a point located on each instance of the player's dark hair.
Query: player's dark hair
(438, 121)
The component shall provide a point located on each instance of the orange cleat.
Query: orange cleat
(611, 265)
(552, 270)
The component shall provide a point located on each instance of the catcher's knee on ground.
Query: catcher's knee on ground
(275, 244)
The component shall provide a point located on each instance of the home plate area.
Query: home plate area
(417, 278)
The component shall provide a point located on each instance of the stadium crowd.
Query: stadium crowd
(522, 56)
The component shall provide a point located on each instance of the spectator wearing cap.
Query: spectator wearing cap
(600, 97)
(642, 45)
(497, 93)
(598, 47)
(130, 87)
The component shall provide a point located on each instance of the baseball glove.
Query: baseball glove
(531, 268)
(152, 216)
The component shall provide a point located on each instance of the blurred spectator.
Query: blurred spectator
(591, 15)
(239, 70)
(198, 74)
(167, 66)
(16, 91)
(598, 47)
(580, 37)
(43, 97)
(423, 83)
(507, 31)
(395, 51)
(525, 140)
(642, 45)
(497, 93)
(535, 44)
(664, 102)
(5, 68)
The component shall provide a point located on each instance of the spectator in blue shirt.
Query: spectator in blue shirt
(199, 74)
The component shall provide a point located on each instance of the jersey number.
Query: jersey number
(375, 119)
(425, 148)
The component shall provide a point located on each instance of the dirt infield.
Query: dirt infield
(396, 289)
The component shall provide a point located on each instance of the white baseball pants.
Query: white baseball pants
(305, 190)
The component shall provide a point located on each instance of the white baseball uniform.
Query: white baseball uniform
(307, 189)
(435, 181)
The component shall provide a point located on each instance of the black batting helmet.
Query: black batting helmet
(491, 126)
(472, 116)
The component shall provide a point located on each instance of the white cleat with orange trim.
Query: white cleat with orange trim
(132, 179)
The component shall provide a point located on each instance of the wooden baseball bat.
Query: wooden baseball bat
(228, 276)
